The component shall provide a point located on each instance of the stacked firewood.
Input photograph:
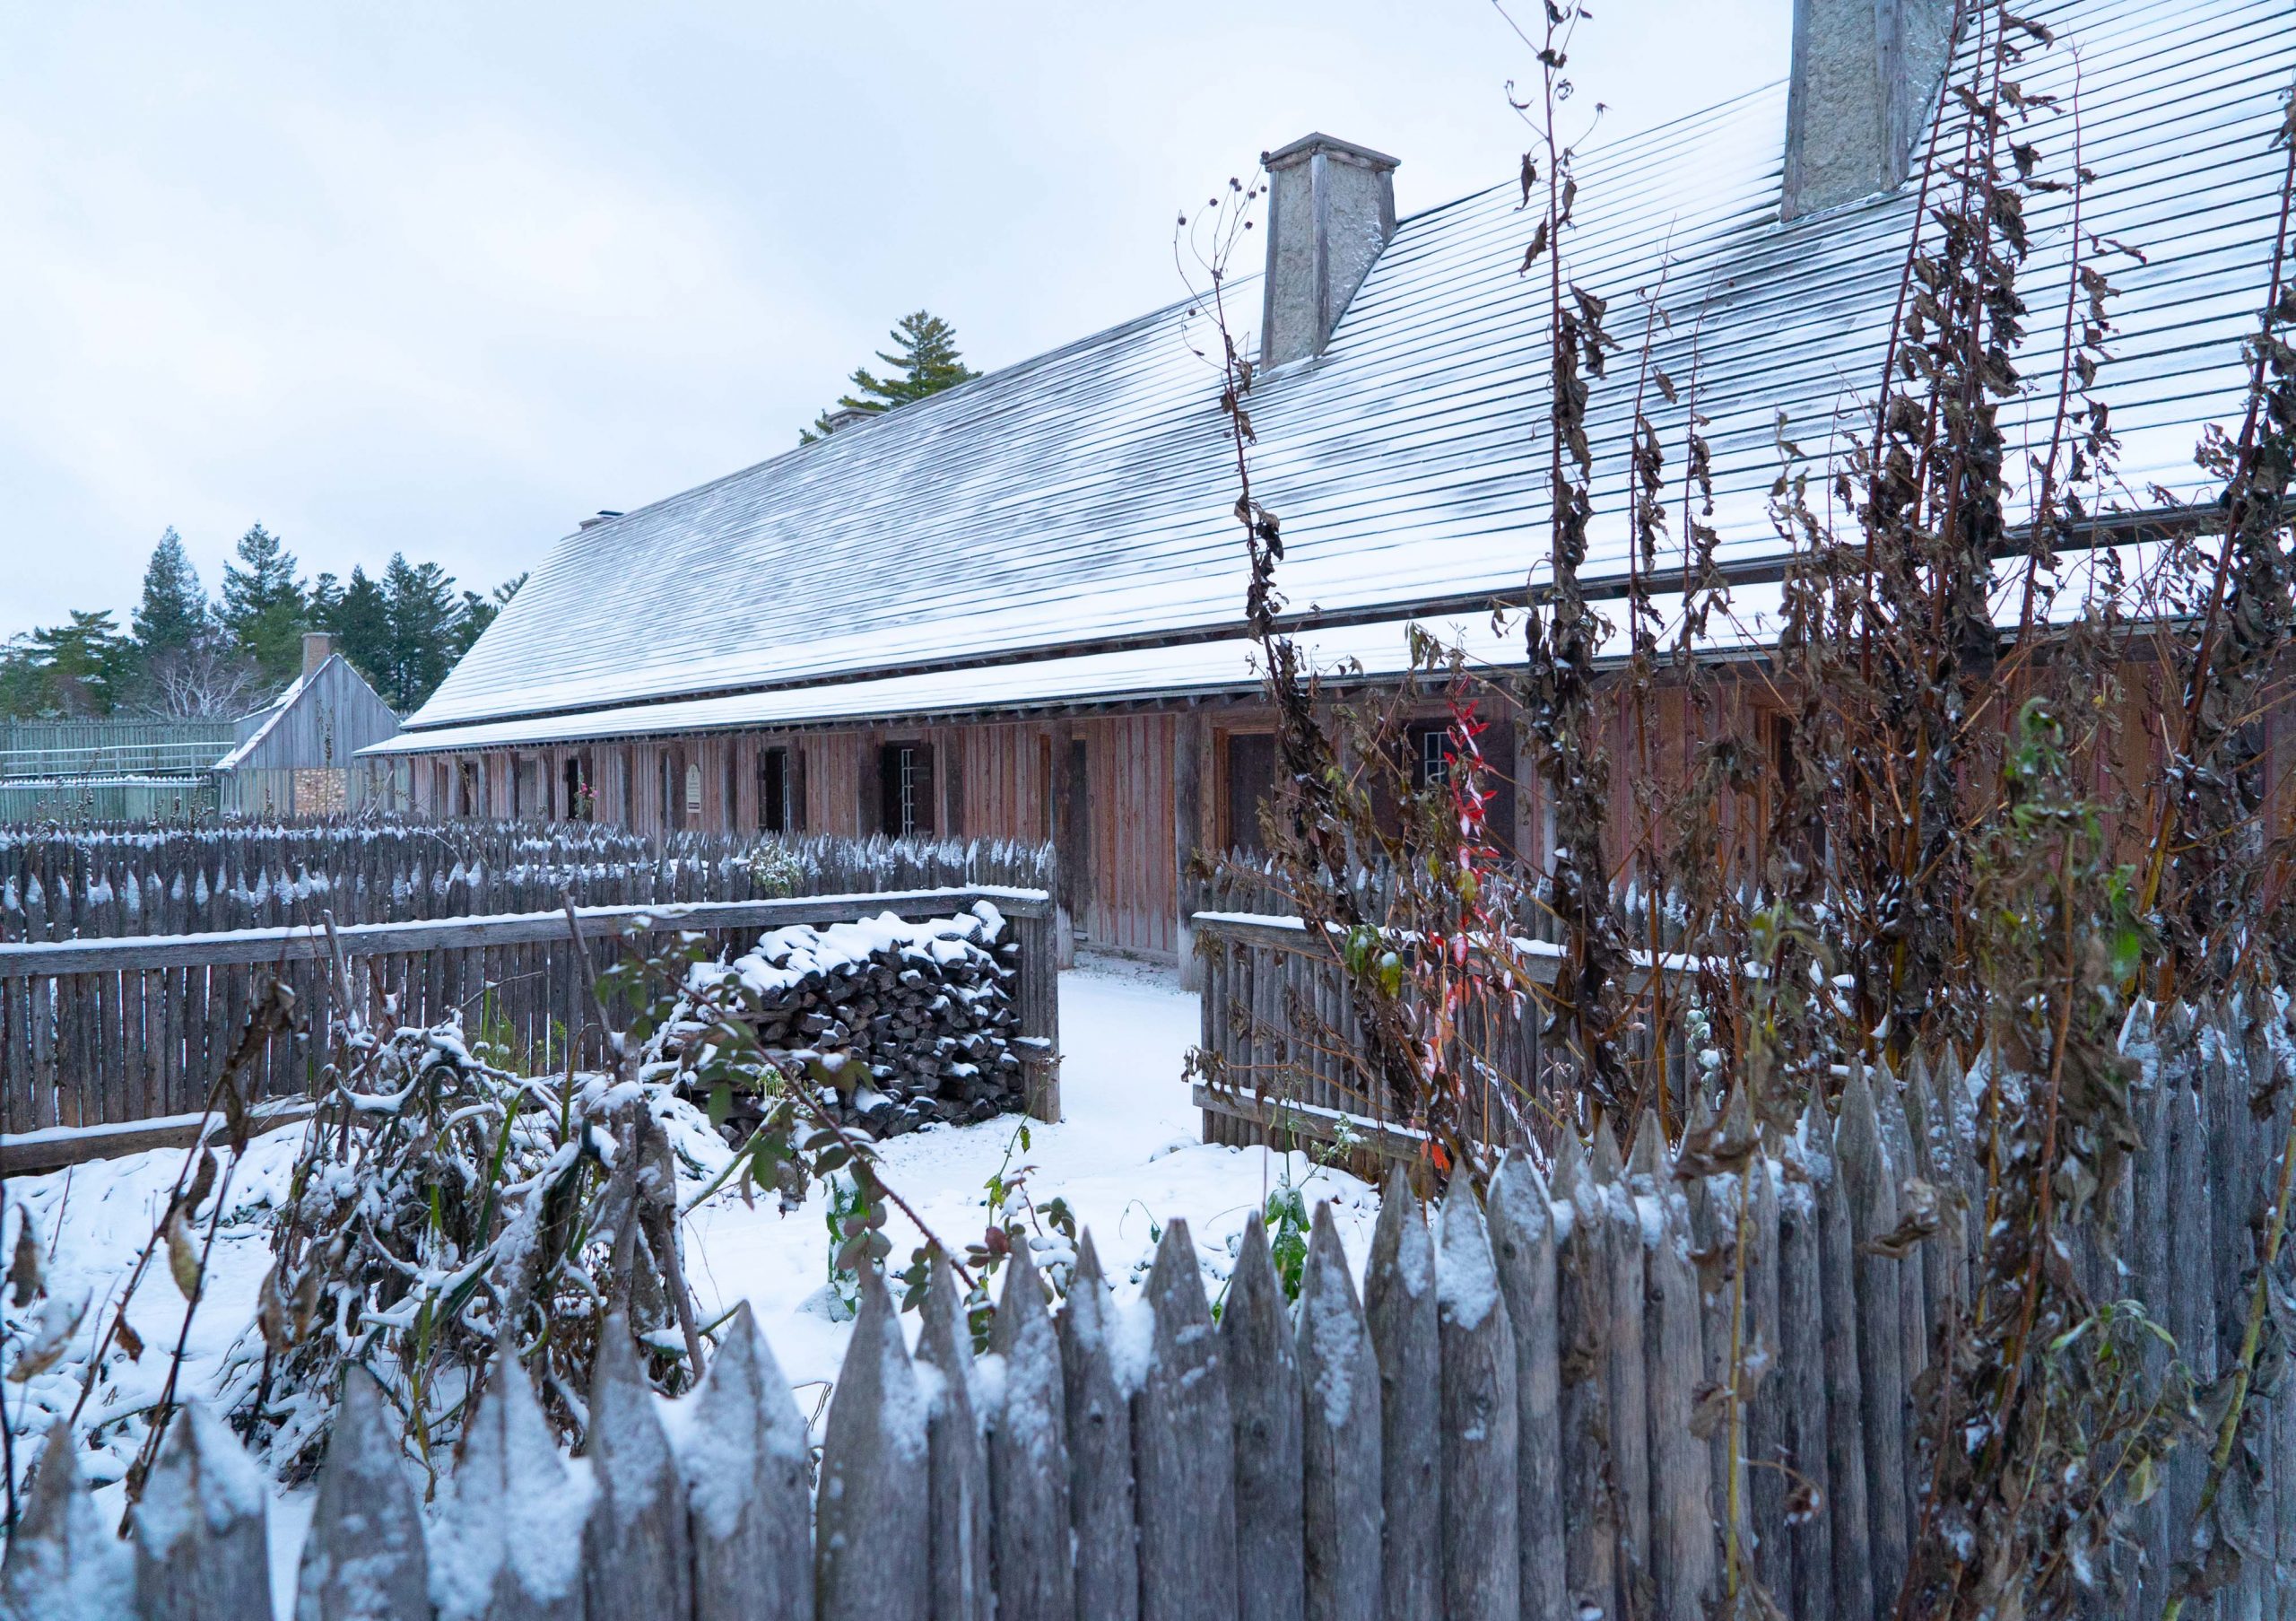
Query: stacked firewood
(896, 1025)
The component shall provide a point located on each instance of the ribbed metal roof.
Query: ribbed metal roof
(1081, 500)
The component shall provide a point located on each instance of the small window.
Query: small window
(1251, 788)
(630, 788)
(773, 791)
(467, 788)
(1431, 756)
(905, 791)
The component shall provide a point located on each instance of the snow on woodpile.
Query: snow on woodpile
(898, 1025)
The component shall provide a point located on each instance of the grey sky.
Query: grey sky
(446, 277)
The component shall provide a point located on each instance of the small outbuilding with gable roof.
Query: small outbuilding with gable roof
(298, 756)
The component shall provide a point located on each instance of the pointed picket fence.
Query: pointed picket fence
(1513, 1413)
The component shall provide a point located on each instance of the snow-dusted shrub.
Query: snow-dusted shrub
(442, 1208)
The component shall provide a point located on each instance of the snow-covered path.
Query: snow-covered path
(1127, 1154)
(1127, 1157)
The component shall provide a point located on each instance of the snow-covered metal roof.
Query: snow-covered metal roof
(1079, 503)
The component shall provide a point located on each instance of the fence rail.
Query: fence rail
(1513, 1418)
(130, 1027)
(1280, 1037)
(141, 748)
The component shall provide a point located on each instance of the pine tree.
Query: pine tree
(420, 612)
(361, 621)
(925, 361)
(264, 606)
(72, 670)
(173, 616)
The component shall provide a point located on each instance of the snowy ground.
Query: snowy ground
(1126, 1157)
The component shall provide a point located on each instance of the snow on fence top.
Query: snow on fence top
(1539, 1413)
(84, 883)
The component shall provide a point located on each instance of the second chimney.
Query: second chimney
(318, 647)
(1331, 208)
(1865, 84)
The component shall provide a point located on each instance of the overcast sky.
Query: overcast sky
(444, 278)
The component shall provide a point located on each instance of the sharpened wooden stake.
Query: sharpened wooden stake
(1183, 1443)
(748, 1486)
(1028, 1457)
(1399, 1302)
(639, 1542)
(364, 1557)
(1265, 1403)
(1099, 1447)
(1340, 1438)
(963, 1588)
(871, 1525)
(64, 1562)
(1481, 1551)
(509, 1546)
(1522, 1240)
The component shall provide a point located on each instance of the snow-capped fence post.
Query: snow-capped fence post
(63, 1560)
(963, 1588)
(1800, 1383)
(363, 1557)
(639, 1542)
(508, 1546)
(1037, 1000)
(749, 1495)
(871, 1530)
(1683, 1498)
(1626, 1376)
(1340, 1437)
(1522, 1241)
(1027, 1461)
(1264, 1400)
(1099, 1446)
(1183, 1449)
(1482, 1573)
(1853, 1573)
(203, 1547)
(1863, 1167)
(1399, 1303)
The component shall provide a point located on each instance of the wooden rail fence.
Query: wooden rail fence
(1505, 1422)
(103, 1031)
(1279, 1029)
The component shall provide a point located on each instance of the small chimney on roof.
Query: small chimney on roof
(318, 647)
(1865, 77)
(1331, 208)
(843, 417)
(596, 519)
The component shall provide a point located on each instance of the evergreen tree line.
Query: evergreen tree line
(187, 656)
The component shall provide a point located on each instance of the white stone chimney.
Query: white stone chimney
(1331, 208)
(1865, 84)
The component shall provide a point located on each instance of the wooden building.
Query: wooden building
(298, 756)
(1016, 608)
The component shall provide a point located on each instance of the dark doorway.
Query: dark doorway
(773, 791)
(581, 797)
(1074, 839)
